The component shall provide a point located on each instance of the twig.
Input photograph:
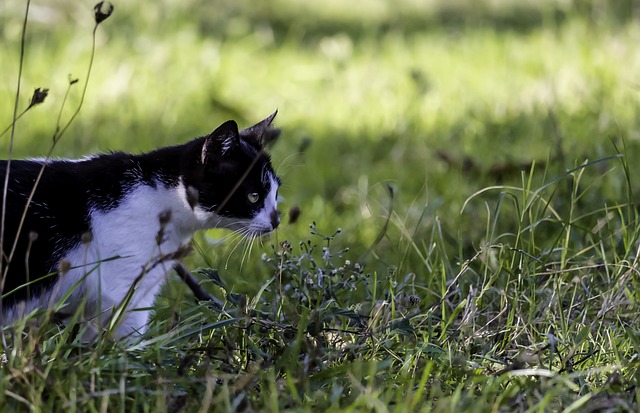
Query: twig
(193, 283)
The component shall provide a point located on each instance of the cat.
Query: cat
(101, 227)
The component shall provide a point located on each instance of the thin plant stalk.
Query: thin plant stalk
(56, 138)
(9, 155)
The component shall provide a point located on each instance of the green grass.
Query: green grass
(500, 276)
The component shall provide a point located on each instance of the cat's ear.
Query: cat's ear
(262, 133)
(223, 140)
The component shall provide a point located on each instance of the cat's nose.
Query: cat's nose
(274, 217)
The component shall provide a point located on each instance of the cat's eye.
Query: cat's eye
(253, 197)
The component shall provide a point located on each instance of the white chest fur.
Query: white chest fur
(130, 252)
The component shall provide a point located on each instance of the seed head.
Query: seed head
(64, 266)
(87, 237)
(102, 11)
(39, 95)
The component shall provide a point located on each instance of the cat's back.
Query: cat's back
(61, 193)
(60, 179)
(53, 181)
(21, 170)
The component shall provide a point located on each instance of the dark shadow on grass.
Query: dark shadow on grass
(300, 22)
(303, 25)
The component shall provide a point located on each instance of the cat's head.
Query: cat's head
(233, 184)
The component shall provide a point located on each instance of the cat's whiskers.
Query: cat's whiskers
(247, 236)
(240, 237)
(247, 243)
(230, 238)
(251, 242)
(259, 238)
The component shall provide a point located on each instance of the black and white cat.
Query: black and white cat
(102, 226)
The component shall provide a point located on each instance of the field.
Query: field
(466, 177)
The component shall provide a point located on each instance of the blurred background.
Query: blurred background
(437, 99)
